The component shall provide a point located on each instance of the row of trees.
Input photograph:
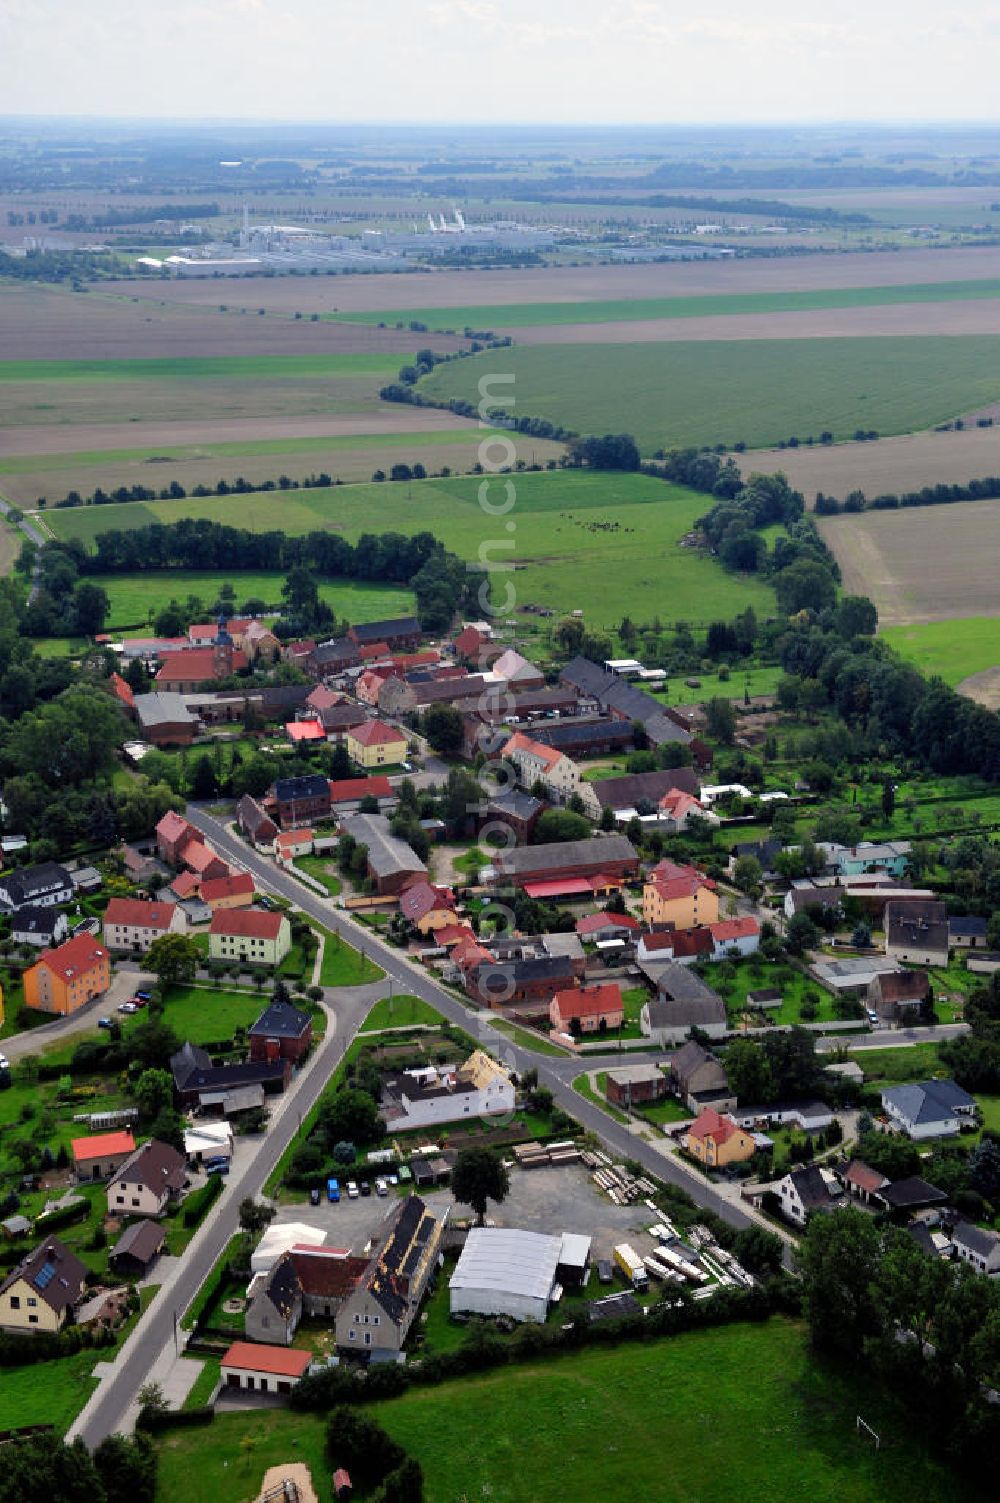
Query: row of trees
(929, 495)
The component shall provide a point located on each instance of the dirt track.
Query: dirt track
(87, 437)
(983, 687)
(562, 284)
(905, 463)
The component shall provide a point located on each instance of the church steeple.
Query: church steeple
(222, 650)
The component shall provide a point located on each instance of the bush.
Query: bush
(198, 1203)
(67, 1216)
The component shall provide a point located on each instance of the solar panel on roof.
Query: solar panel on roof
(412, 1261)
(45, 1275)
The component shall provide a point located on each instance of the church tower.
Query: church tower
(222, 651)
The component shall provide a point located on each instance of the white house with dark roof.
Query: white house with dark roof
(929, 1108)
(977, 1247)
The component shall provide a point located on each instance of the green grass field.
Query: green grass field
(320, 868)
(757, 392)
(204, 1015)
(400, 1012)
(949, 649)
(740, 1412)
(580, 540)
(136, 598)
(500, 316)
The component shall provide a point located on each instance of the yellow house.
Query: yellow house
(41, 1291)
(679, 895)
(717, 1141)
(375, 744)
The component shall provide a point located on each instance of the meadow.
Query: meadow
(503, 316)
(755, 392)
(951, 650)
(136, 598)
(741, 1411)
(602, 543)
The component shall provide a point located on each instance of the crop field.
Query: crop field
(136, 598)
(26, 477)
(883, 466)
(952, 650)
(469, 289)
(55, 323)
(505, 316)
(581, 539)
(787, 1434)
(730, 391)
(932, 563)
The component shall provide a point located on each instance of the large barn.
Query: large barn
(505, 1271)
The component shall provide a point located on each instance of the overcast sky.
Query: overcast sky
(502, 60)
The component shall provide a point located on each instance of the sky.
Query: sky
(560, 61)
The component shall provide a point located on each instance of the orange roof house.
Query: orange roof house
(64, 979)
(427, 906)
(200, 858)
(301, 731)
(234, 891)
(123, 691)
(591, 1007)
(172, 834)
(716, 1140)
(98, 1156)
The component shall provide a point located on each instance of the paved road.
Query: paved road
(106, 1411)
(33, 534)
(84, 1020)
(890, 1038)
(411, 978)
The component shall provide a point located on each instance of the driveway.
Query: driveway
(84, 1020)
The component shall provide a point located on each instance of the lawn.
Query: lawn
(49, 1392)
(736, 979)
(400, 1012)
(580, 539)
(501, 316)
(526, 1038)
(757, 392)
(203, 1015)
(949, 649)
(675, 1421)
(320, 869)
(755, 680)
(892, 1066)
(344, 966)
(583, 1087)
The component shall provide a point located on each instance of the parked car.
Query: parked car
(381, 1188)
(217, 1166)
(394, 1179)
(314, 1196)
(352, 1190)
(4, 1062)
(333, 1190)
(139, 1001)
(105, 1023)
(264, 902)
(366, 1188)
(128, 1007)
(406, 766)
(142, 996)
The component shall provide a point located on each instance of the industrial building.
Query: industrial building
(506, 1271)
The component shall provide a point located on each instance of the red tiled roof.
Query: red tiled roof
(246, 923)
(304, 730)
(422, 897)
(137, 914)
(593, 923)
(454, 934)
(195, 665)
(199, 856)
(346, 790)
(727, 930)
(589, 1001)
(559, 887)
(519, 742)
(374, 650)
(123, 690)
(709, 1124)
(75, 958)
(662, 940)
(232, 886)
(102, 1145)
(693, 942)
(863, 1176)
(282, 1361)
(670, 888)
(207, 631)
(173, 825)
(290, 838)
(185, 884)
(326, 1272)
(323, 698)
(375, 733)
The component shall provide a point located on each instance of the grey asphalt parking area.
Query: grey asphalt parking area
(554, 1199)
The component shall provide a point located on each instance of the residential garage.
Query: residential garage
(505, 1271)
(256, 1368)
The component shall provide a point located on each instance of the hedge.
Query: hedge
(66, 1216)
(197, 1204)
(154, 1420)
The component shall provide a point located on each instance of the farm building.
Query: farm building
(633, 1084)
(254, 1367)
(611, 857)
(99, 1157)
(281, 1032)
(505, 1271)
(917, 932)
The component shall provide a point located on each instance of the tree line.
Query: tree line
(985, 489)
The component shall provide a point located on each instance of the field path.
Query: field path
(983, 687)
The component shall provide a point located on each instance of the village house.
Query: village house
(429, 1096)
(899, 996)
(255, 822)
(427, 906)
(378, 1313)
(249, 937)
(302, 800)
(975, 1245)
(233, 891)
(537, 763)
(632, 1085)
(47, 885)
(255, 1368)
(64, 979)
(45, 927)
(42, 1291)
(132, 924)
(281, 1032)
(375, 744)
(587, 1009)
(99, 1156)
(274, 1303)
(227, 1088)
(917, 932)
(929, 1109)
(681, 897)
(147, 1182)
(289, 844)
(599, 864)
(594, 928)
(682, 1002)
(803, 1191)
(173, 833)
(699, 1079)
(965, 932)
(717, 1141)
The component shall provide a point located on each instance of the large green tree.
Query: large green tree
(479, 1175)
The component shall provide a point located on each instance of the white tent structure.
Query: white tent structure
(504, 1271)
(278, 1239)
